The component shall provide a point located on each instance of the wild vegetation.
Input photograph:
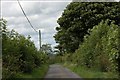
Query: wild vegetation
(88, 36)
(19, 54)
(88, 43)
(77, 18)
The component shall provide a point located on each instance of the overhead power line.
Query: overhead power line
(26, 16)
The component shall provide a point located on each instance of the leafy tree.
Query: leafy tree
(78, 17)
(93, 0)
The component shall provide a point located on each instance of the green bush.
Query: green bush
(19, 53)
(100, 47)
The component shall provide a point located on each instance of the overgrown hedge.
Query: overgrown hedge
(19, 53)
(100, 48)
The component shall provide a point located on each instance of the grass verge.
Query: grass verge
(90, 73)
(36, 73)
(0, 67)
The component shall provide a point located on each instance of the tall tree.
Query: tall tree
(93, 0)
(78, 17)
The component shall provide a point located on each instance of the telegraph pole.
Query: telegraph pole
(40, 39)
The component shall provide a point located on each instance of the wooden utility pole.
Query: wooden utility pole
(40, 39)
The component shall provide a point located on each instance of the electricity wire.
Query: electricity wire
(26, 16)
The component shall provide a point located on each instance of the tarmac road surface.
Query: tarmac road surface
(58, 71)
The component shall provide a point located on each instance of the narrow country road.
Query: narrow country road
(58, 71)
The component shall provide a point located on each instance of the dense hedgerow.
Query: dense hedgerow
(100, 48)
(19, 54)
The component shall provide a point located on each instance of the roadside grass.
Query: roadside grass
(0, 67)
(35, 74)
(84, 72)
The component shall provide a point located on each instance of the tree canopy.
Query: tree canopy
(78, 18)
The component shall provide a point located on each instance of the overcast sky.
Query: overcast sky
(42, 14)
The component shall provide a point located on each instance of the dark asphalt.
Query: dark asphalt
(58, 71)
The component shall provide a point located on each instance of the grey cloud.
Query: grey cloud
(43, 16)
(40, 0)
(10, 9)
(32, 8)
